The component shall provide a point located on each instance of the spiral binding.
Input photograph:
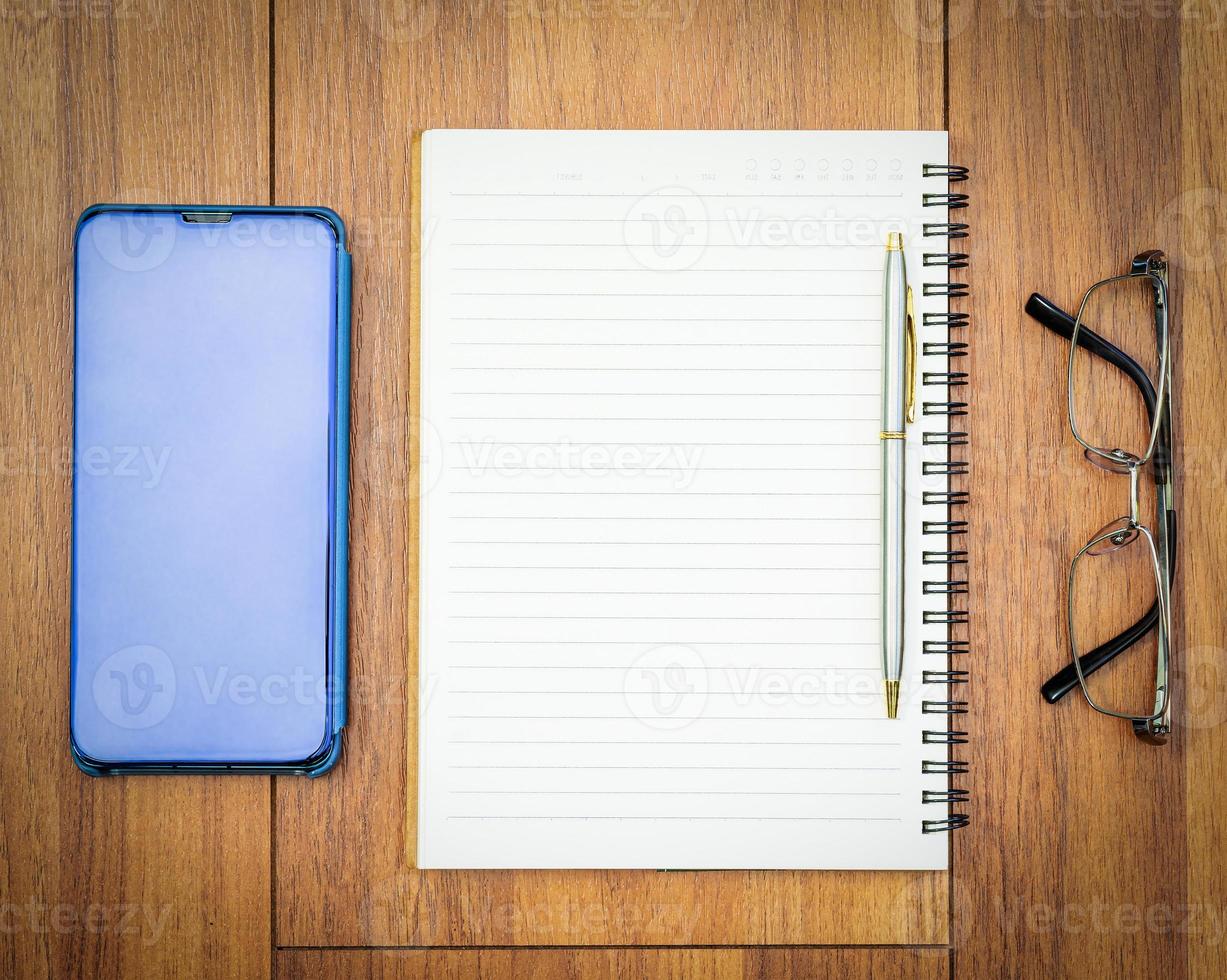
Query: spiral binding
(949, 677)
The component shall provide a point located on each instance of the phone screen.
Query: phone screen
(202, 486)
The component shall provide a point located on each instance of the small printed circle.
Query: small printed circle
(931, 21)
(135, 687)
(430, 455)
(751, 164)
(667, 229)
(916, 481)
(1204, 673)
(387, 460)
(666, 687)
(400, 21)
(1197, 222)
(799, 163)
(133, 241)
(847, 164)
(871, 165)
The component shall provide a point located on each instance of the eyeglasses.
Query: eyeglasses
(1126, 676)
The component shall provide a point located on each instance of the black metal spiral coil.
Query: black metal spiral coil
(950, 525)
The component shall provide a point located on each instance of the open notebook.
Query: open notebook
(650, 492)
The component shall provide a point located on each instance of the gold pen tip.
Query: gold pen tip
(892, 699)
(894, 241)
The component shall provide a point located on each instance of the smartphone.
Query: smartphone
(209, 489)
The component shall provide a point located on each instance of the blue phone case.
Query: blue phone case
(333, 565)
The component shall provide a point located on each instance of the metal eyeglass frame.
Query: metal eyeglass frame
(1155, 726)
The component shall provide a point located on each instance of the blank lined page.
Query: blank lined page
(650, 586)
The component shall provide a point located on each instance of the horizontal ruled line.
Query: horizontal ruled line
(661, 792)
(687, 768)
(641, 270)
(710, 643)
(678, 444)
(628, 666)
(649, 418)
(624, 246)
(668, 493)
(665, 295)
(522, 816)
(598, 592)
(676, 370)
(688, 742)
(620, 693)
(639, 196)
(669, 544)
(570, 517)
(681, 568)
(611, 470)
(736, 619)
(638, 719)
(677, 394)
(549, 219)
(675, 319)
(645, 343)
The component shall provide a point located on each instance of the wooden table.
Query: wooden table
(1094, 128)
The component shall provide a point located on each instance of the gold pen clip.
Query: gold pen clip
(909, 356)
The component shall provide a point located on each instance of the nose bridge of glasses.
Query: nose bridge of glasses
(1117, 532)
(1134, 502)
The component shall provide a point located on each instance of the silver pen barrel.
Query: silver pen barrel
(894, 420)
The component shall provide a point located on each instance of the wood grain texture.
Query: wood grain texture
(1090, 136)
(615, 964)
(354, 83)
(1201, 257)
(1086, 847)
(107, 877)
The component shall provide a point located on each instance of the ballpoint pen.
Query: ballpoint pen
(898, 409)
